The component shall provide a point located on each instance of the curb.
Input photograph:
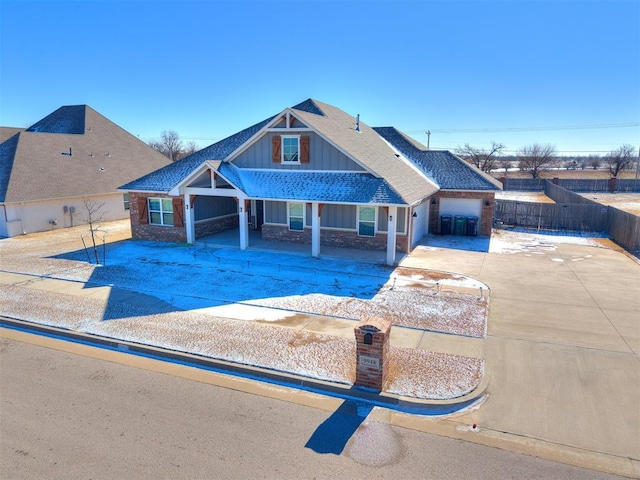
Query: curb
(341, 391)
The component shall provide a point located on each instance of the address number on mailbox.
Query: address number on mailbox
(368, 361)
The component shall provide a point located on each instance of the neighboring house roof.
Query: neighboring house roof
(447, 170)
(338, 187)
(7, 132)
(171, 175)
(391, 178)
(73, 152)
(69, 120)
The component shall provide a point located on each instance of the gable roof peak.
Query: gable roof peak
(69, 119)
(309, 106)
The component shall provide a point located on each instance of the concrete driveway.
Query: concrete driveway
(562, 350)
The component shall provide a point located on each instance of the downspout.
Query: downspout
(24, 231)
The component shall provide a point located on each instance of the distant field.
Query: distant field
(580, 174)
(536, 197)
(628, 202)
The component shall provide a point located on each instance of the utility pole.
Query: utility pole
(428, 139)
(635, 184)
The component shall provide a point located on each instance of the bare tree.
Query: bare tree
(169, 145)
(595, 161)
(620, 159)
(484, 159)
(190, 148)
(94, 218)
(506, 163)
(533, 158)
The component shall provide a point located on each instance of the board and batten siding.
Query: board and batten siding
(275, 212)
(333, 216)
(401, 220)
(212, 207)
(322, 155)
(339, 216)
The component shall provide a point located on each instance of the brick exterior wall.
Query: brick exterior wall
(140, 231)
(332, 238)
(369, 376)
(216, 225)
(486, 215)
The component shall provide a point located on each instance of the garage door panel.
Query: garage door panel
(461, 206)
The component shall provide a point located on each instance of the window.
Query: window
(125, 198)
(290, 149)
(160, 211)
(296, 216)
(367, 221)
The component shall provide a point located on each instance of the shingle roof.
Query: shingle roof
(339, 187)
(400, 178)
(35, 164)
(367, 148)
(69, 120)
(7, 132)
(171, 175)
(447, 170)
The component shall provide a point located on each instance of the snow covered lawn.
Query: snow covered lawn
(220, 302)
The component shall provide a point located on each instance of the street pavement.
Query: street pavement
(93, 413)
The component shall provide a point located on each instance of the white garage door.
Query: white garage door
(461, 206)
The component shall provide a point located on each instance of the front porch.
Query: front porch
(231, 238)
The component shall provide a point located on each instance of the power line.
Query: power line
(529, 129)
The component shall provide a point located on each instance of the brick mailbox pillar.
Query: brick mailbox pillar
(372, 351)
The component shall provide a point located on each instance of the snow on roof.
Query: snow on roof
(168, 177)
(397, 182)
(441, 166)
(340, 187)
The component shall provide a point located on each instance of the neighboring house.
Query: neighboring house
(311, 174)
(7, 132)
(74, 155)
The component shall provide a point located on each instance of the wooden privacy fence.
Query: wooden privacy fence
(571, 212)
(551, 216)
(624, 228)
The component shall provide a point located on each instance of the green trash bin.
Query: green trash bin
(460, 225)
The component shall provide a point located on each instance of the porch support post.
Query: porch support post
(243, 220)
(189, 219)
(391, 235)
(315, 230)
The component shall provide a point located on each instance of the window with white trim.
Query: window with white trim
(290, 149)
(295, 212)
(367, 221)
(125, 198)
(160, 211)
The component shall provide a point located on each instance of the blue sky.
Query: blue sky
(470, 72)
